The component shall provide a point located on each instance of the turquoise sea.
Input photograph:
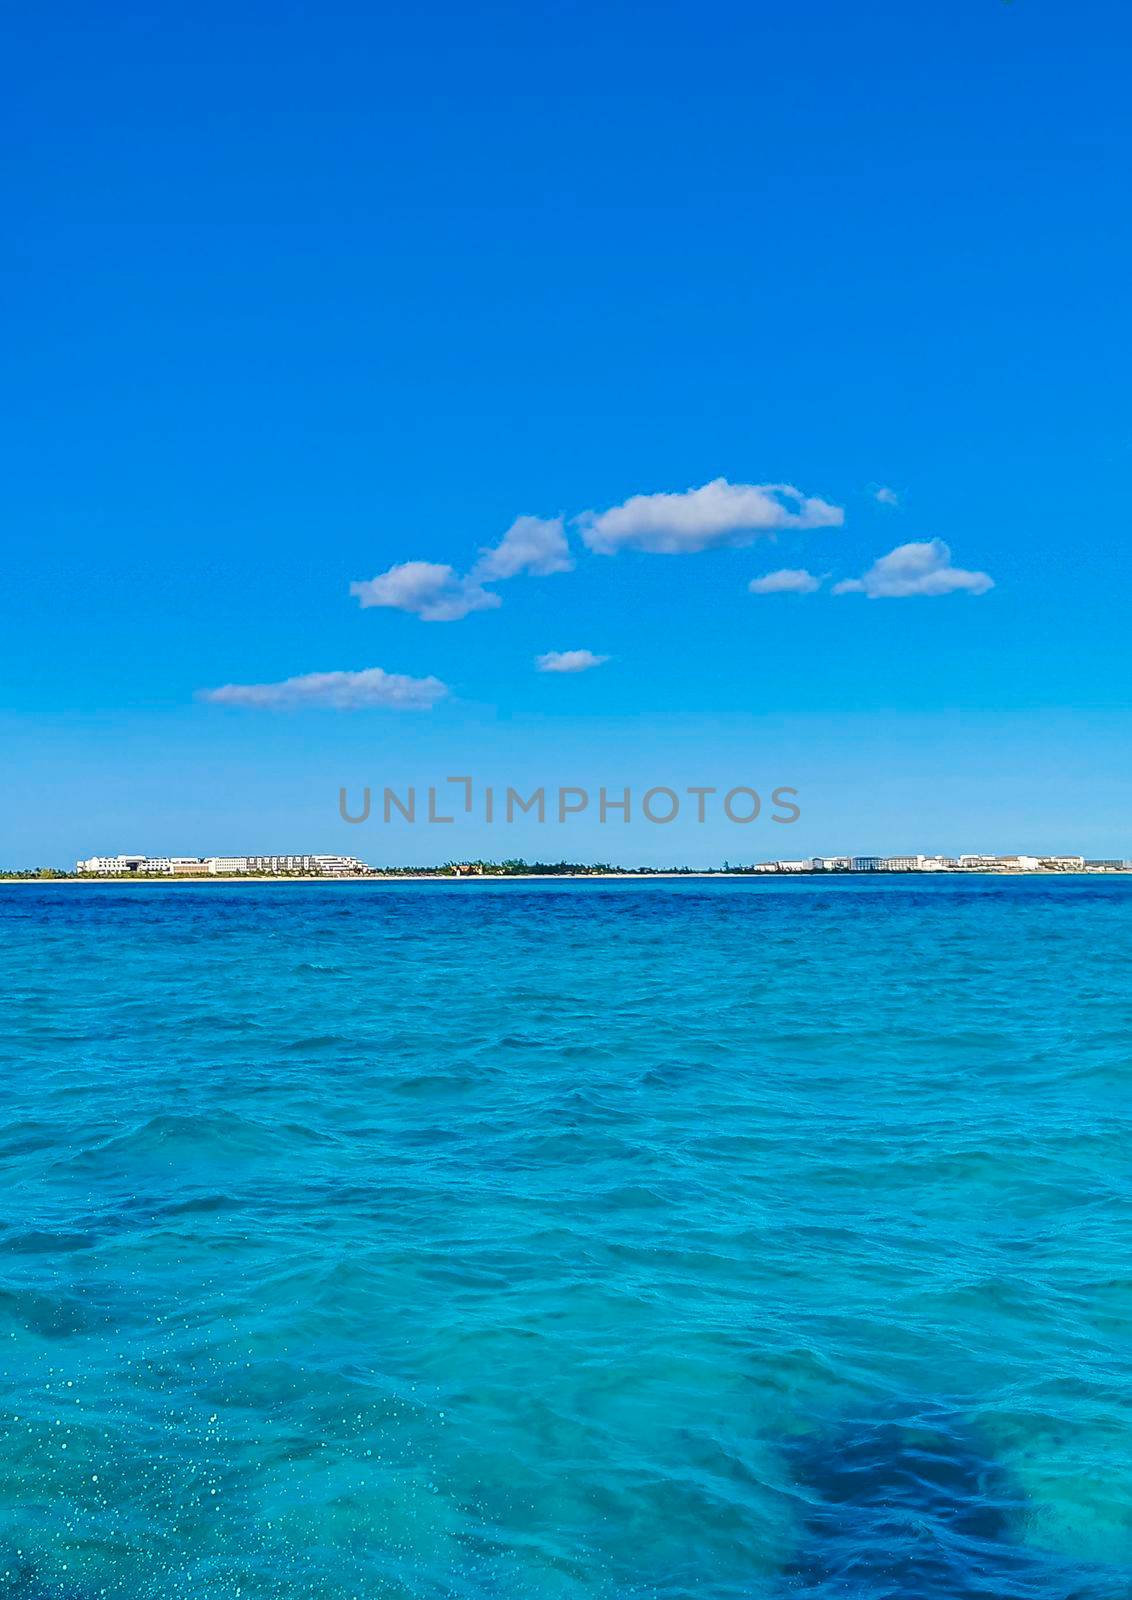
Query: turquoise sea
(733, 1239)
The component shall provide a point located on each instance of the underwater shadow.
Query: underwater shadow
(902, 1504)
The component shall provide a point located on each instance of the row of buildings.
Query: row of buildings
(221, 866)
(968, 863)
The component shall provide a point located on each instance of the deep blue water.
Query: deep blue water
(634, 1241)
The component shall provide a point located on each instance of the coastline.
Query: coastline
(548, 877)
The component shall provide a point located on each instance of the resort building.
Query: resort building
(120, 866)
(320, 866)
(340, 866)
(284, 866)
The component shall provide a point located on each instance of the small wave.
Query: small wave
(171, 1140)
(42, 1241)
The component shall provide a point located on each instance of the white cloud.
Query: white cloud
(915, 569)
(432, 591)
(569, 661)
(337, 691)
(885, 496)
(717, 514)
(787, 580)
(531, 544)
(436, 592)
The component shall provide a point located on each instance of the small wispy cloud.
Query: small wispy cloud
(569, 661)
(787, 580)
(915, 569)
(716, 515)
(335, 691)
(885, 496)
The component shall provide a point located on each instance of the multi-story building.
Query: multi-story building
(901, 863)
(867, 864)
(98, 864)
(340, 866)
(832, 863)
(121, 866)
(285, 866)
(220, 866)
(281, 866)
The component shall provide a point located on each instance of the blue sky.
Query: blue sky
(295, 298)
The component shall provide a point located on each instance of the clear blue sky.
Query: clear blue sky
(295, 295)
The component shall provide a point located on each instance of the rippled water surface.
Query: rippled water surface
(729, 1239)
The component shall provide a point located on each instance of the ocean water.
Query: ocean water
(736, 1240)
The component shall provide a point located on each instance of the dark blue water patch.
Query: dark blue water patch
(904, 1503)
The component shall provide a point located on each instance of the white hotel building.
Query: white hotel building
(124, 866)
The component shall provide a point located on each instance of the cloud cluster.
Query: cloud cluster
(438, 593)
(569, 661)
(336, 691)
(910, 569)
(716, 515)
(915, 569)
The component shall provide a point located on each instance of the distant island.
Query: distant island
(322, 868)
